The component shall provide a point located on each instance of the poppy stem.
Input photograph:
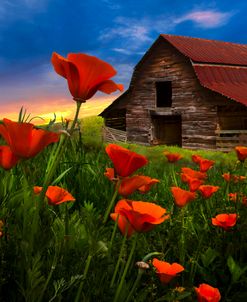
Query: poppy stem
(182, 240)
(110, 205)
(88, 261)
(66, 225)
(139, 274)
(119, 289)
(56, 156)
(173, 175)
(113, 234)
(119, 258)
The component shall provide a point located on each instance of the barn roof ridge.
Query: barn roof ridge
(204, 39)
(209, 51)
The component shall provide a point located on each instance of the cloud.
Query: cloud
(11, 10)
(206, 18)
(110, 4)
(132, 35)
(127, 52)
(131, 30)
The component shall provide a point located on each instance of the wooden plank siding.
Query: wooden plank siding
(196, 105)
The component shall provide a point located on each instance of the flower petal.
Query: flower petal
(125, 161)
(7, 158)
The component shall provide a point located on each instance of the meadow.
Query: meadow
(73, 251)
(81, 220)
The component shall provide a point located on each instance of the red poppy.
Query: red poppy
(206, 164)
(141, 216)
(1, 228)
(55, 195)
(85, 75)
(225, 221)
(235, 196)
(125, 161)
(182, 197)
(207, 190)
(194, 183)
(235, 178)
(166, 271)
(226, 176)
(110, 174)
(241, 152)
(194, 174)
(24, 140)
(123, 224)
(172, 157)
(7, 158)
(137, 182)
(207, 293)
(196, 158)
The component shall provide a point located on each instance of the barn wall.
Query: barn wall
(197, 105)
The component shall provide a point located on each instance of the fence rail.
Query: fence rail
(226, 140)
(113, 135)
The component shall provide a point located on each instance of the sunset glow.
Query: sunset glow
(61, 107)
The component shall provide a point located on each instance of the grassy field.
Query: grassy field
(68, 252)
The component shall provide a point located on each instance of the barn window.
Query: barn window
(164, 94)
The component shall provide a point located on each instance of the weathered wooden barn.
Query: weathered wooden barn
(185, 91)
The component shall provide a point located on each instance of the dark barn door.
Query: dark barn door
(167, 130)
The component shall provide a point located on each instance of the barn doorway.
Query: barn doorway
(167, 130)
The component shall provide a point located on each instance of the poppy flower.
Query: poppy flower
(1, 228)
(226, 176)
(55, 195)
(182, 197)
(235, 196)
(207, 293)
(7, 158)
(194, 183)
(207, 190)
(172, 157)
(225, 221)
(125, 161)
(166, 271)
(137, 182)
(110, 174)
(138, 216)
(206, 164)
(241, 152)
(237, 178)
(194, 174)
(196, 158)
(85, 75)
(24, 140)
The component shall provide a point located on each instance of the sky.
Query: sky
(118, 32)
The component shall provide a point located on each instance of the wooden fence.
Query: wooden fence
(226, 140)
(113, 135)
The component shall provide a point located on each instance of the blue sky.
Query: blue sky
(119, 32)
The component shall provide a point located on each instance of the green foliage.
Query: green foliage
(44, 251)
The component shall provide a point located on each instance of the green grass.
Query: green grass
(39, 261)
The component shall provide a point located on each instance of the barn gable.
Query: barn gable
(182, 92)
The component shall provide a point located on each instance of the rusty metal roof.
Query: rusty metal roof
(226, 80)
(219, 66)
(209, 51)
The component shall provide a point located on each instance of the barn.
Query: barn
(185, 91)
